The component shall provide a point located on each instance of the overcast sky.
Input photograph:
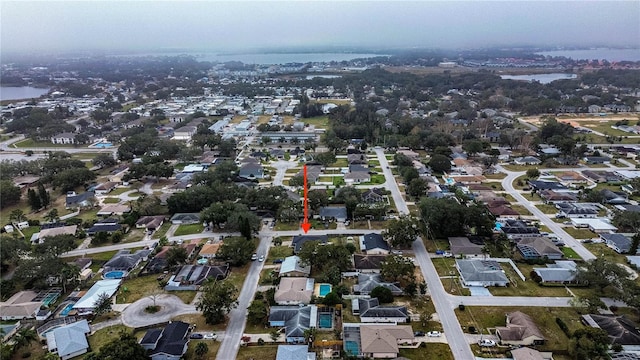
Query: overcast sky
(240, 25)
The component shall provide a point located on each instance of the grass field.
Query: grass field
(569, 253)
(521, 209)
(257, 352)
(30, 143)
(318, 121)
(189, 229)
(497, 176)
(212, 346)
(547, 209)
(138, 288)
(111, 200)
(580, 233)
(103, 336)
(279, 252)
(432, 351)
(527, 287)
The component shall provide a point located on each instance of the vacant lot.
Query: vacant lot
(432, 351)
(189, 229)
(580, 233)
(257, 352)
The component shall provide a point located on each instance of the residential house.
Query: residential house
(209, 251)
(598, 226)
(313, 173)
(578, 210)
(601, 176)
(374, 244)
(518, 229)
(84, 200)
(614, 197)
(191, 277)
(105, 188)
(293, 266)
(294, 291)
(374, 196)
(520, 330)
(184, 133)
(368, 263)
(618, 242)
(462, 246)
(251, 171)
(294, 352)
(553, 197)
(114, 209)
(504, 212)
(108, 225)
(22, 305)
(525, 353)
(64, 138)
(126, 261)
(69, 341)
(527, 160)
(540, 185)
(150, 223)
(53, 231)
(571, 177)
(185, 218)
(87, 302)
(538, 248)
(621, 330)
(357, 177)
(357, 159)
(476, 272)
(295, 320)
(370, 311)
(337, 213)
(299, 240)
(367, 282)
(560, 272)
(377, 341)
(169, 343)
(596, 159)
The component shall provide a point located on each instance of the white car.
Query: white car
(487, 343)
(254, 257)
(434, 334)
(261, 258)
(210, 336)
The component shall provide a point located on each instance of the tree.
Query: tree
(236, 250)
(440, 163)
(473, 147)
(257, 312)
(635, 242)
(52, 215)
(383, 294)
(218, 298)
(17, 216)
(417, 187)
(104, 160)
(176, 255)
(274, 335)
(317, 199)
(124, 347)
(34, 200)
(24, 337)
(396, 268)
(55, 246)
(70, 179)
(102, 305)
(332, 299)
(9, 193)
(201, 349)
(45, 197)
(325, 158)
(589, 343)
(533, 173)
(401, 232)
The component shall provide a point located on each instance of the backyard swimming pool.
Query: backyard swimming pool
(324, 289)
(67, 309)
(113, 275)
(102, 145)
(325, 321)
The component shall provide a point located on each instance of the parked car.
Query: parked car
(439, 252)
(210, 336)
(278, 261)
(418, 333)
(254, 257)
(196, 336)
(487, 343)
(261, 258)
(434, 334)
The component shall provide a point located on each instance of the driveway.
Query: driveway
(170, 306)
(479, 291)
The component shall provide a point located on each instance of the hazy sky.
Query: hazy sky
(216, 25)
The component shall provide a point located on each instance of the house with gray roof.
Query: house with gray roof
(462, 246)
(293, 266)
(191, 277)
(560, 272)
(520, 330)
(527, 160)
(251, 171)
(621, 330)
(368, 263)
(476, 272)
(300, 240)
(83, 200)
(169, 343)
(538, 248)
(295, 320)
(374, 244)
(294, 352)
(618, 242)
(367, 282)
(69, 341)
(357, 177)
(124, 260)
(185, 218)
(337, 213)
(370, 311)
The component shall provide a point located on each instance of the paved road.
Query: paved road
(507, 184)
(171, 306)
(238, 316)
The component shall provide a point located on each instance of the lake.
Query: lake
(542, 78)
(284, 58)
(21, 92)
(600, 54)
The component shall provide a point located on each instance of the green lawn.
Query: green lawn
(103, 336)
(432, 351)
(580, 233)
(489, 317)
(119, 191)
(520, 209)
(111, 200)
(287, 226)
(279, 252)
(527, 287)
(547, 209)
(186, 296)
(376, 179)
(213, 347)
(338, 181)
(318, 121)
(30, 143)
(189, 229)
(602, 250)
(497, 176)
(257, 352)
(569, 253)
(162, 231)
(138, 288)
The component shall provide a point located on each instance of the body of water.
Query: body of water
(21, 92)
(284, 58)
(599, 54)
(309, 77)
(542, 78)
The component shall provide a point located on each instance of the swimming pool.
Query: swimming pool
(67, 309)
(325, 321)
(102, 145)
(351, 348)
(114, 275)
(203, 261)
(324, 289)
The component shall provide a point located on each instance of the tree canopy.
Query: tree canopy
(218, 298)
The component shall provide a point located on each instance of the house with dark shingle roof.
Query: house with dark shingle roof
(124, 260)
(185, 218)
(368, 263)
(374, 244)
(295, 320)
(621, 330)
(337, 213)
(299, 240)
(618, 242)
(83, 200)
(251, 171)
(538, 248)
(370, 311)
(476, 272)
(367, 282)
(169, 343)
(546, 185)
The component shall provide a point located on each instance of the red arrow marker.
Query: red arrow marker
(305, 224)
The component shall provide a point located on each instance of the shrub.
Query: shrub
(260, 341)
(472, 329)
(563, 326)
(461, 307)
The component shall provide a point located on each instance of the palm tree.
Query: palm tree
(52, 215)
(24, 337)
